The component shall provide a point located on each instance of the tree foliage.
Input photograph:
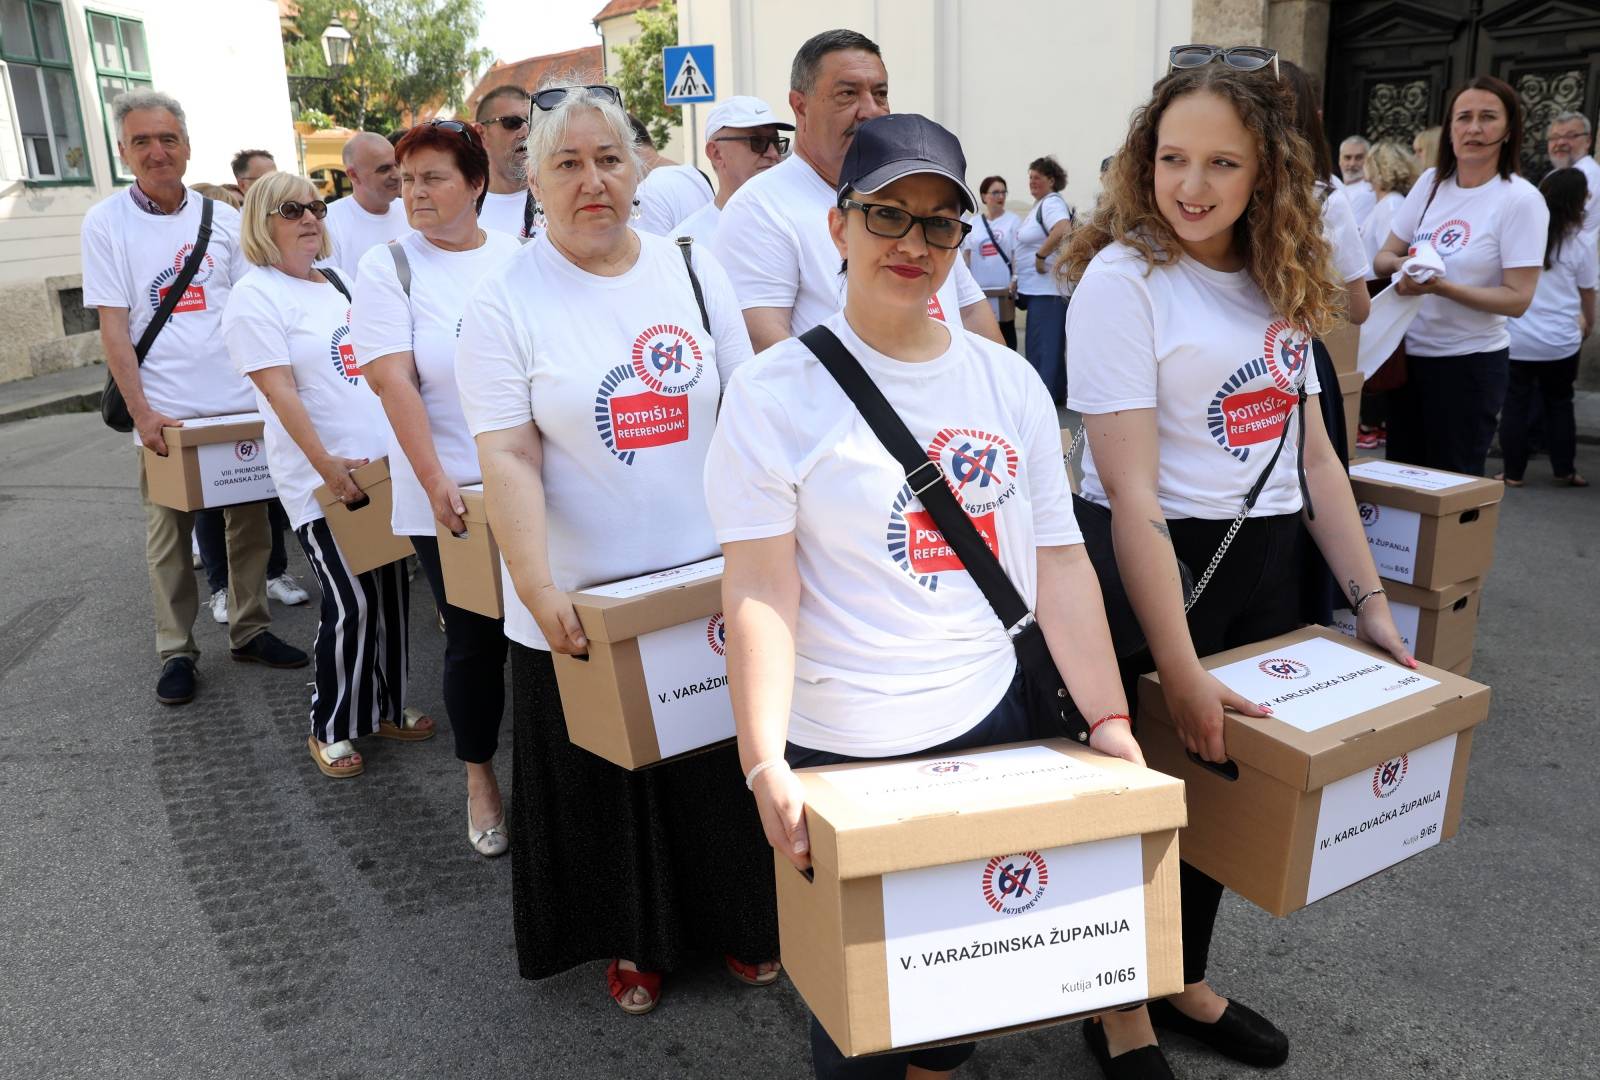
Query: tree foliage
(640, 76)
(409, 54)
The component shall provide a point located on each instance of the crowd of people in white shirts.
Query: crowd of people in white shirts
(640, 366)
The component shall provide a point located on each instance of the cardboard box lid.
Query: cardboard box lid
(366, 476)
(1427, 491)
(1350, 381)
(870, 818)
(625, 609)
(204, 430)
(1309, 760)
(1399, 592)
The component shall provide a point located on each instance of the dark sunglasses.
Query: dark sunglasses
(510, 123)
(1239, 57)
(891, 223)
(460, 128)
(545, 100)
(290, 210)
(758, 143)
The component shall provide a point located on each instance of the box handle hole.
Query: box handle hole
(1228, 770)
(358, 504)
(1469, 516)
(1459, 604)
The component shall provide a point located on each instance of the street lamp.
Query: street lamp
(337, 46)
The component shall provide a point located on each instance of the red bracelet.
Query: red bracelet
(1111, 716)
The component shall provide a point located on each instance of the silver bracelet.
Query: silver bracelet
(758, 769)
(1355, 609)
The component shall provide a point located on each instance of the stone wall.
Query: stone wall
(1298, 29)
(36, 339)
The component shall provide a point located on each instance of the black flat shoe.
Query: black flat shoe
(1145, 1063)
(1241, 1033)
(266, 648)
(176, 684)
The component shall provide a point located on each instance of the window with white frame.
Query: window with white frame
(43, 93)
(121, 62)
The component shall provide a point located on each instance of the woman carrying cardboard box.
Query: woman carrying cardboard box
(854, 631)
(284, 326)
(1203, 277)
(590, 364)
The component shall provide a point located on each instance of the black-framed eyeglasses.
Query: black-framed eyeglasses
(995, 191)
(289, 210)
(546, 100)
(758, 143)
(1239, 57)
(463, 129)
(891, 223)
(510, 123)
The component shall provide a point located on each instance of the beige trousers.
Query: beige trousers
(173, 592)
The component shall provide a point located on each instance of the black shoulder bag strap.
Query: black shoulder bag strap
(528, 207)
(113, 407)
(684, 244)
(338, 283)
(1049, 706)
(1003, 256)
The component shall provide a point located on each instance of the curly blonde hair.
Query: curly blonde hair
(1280, 233)
(1390, 167)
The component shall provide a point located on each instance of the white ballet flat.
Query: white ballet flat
(492, 842)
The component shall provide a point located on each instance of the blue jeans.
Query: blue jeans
(1045, 344)
(1007, 722)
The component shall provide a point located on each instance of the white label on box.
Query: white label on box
(218, 421)
(1318, 682)
(1392, 536)
(1411, 476)
(1380, 816)
(233, 472)
(658, 581)
(989, 943)
(1022, 774)
(686, 675)
(1407, 617)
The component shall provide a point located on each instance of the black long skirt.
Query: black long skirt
(654, 866)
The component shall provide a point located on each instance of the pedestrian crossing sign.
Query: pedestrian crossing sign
(690, 74)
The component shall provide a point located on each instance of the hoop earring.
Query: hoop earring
(636, 214)
(539, 221)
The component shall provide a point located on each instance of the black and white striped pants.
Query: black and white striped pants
(362, 641)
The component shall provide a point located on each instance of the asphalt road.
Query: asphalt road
(182, 895)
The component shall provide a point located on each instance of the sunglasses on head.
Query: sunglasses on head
(510, 123)
(1239, 57)
(758, 143)
(546, 100)
(290, 210)
(460, 128)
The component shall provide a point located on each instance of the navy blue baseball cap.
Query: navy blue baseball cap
(887, 148)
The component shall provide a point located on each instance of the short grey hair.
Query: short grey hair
(1355, 140)
(808, 61)
(145, 98)
(546, 130)
(1566, 117)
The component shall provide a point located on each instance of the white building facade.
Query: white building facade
(61, 63)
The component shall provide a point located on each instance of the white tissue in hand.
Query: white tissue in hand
(1424, 264)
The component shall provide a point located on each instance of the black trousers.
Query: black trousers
(1533, 383)
(1444, 416)
(1254, 594)
(209, 534)
(1008, 330)
(474, 665)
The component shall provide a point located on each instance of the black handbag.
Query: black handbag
(113, 408)
(1050, 709)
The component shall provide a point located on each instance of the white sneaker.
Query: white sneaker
(286, 590)
(219, 606)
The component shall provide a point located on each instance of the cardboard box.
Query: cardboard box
(211, 461)
(1437, 625)
(1343, 345)
(471, 562)
(917, 925)
(1363, 765)
(1426, 527)
(1350, 390)
(363, 531)
(655, 683)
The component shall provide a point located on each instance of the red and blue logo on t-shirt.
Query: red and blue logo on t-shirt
(342, 352)
(1453, 236)
(1245, 413)
(667, 362)
(194, 294)
(981, 470)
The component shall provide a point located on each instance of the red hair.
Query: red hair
(464, 147)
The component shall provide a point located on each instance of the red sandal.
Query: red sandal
(620, 982)
(750, 974)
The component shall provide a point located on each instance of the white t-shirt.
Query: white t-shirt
(1550, 328)
(896, 649)
(1478, 232)
(354, 231)
(130, 259)
(989, 270)
(774, 240)
(1203, 349)
(274, 320)
(1029, 239)
(622, 381)
(384, 322)
(668, 195)
(1341, 231)
(1591, 205)
(503, 213)
(1362, 197)
(701, 226)
(1375, 229)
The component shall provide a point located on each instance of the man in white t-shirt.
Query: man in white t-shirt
(134, 244)
(773, 237)
(372, 213)
(1353, 170)
(502, 123)
(741, 140)
(1569, 141)
(669, 192)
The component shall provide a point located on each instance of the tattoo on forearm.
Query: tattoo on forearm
(1161, 527)
(1355, 591)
